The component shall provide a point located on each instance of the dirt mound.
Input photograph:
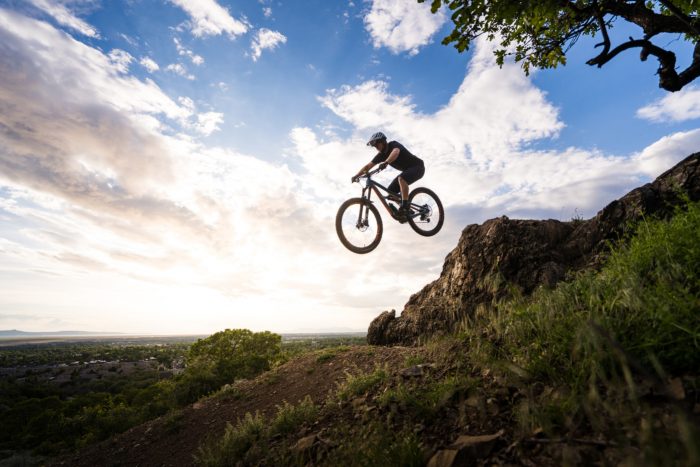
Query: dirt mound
(503, 252)
(173, 440)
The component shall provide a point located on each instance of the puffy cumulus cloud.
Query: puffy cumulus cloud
(467, 142)
(40, 67)
(402, 26)
(208, 18)
(65, 17)
(149, 64)
(121, 60)
(180, 70)
(674, 107)
(182, 50)
(664, 153)
(478, 146)
(103, 191)
(265, 39)
(208, 122)
(98, 154)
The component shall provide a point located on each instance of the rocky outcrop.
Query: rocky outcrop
(501, 253)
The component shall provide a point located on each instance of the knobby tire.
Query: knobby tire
(374, 218)
(438, 213)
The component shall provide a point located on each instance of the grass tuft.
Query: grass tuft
(359, 384)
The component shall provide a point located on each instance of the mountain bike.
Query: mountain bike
(359, 225)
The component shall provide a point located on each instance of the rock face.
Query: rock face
(503, 252)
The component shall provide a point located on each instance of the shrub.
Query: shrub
(234, 443)
(290, 417)
(356, 385)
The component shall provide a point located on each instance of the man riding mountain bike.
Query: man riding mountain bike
(398, 157)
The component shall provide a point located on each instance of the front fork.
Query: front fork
(363, 218)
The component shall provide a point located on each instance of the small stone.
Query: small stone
(675, 389)
(304, 444)
(413, 371)
(443, 458)
(472, 448)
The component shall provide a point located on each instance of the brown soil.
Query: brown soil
(174, 442)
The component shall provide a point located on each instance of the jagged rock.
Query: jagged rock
(502, 252)
(467, 450)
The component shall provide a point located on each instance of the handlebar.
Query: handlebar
(369, 174)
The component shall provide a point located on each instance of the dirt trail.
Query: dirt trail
(174, 441)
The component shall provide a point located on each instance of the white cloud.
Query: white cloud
(182, 50)
(664, 153)
(492, 116)
(402, 26)
(266, 39)
(181, 70)
(149, 64)
(674, 107)
(267, 11)
(115, 200)
(211, 19)
(121, 60)
(209, 122)
(477, 147)
(147, 219)
(64, 17)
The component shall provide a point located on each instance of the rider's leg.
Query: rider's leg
(404, 196)
(404, 192)
(394, 189)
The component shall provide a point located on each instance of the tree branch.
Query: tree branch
(606, 38)
(687, 20)
(651, 22)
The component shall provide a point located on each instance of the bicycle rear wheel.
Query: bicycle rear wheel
(427, 214)
(359, 225)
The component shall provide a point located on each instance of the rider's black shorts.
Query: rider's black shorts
(410, 175)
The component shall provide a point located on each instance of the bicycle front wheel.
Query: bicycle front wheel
(427, 215)
(359, 225)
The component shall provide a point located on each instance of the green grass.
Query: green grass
(330, 353)
(594, 346)
(604, 336)
(290, 417)
(246, 441)
(235, 442)
(376, 445)
(359, 384)
(641, 310)
(425, 400)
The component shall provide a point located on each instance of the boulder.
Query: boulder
(502, 253)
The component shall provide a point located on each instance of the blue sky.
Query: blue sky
(175, 166)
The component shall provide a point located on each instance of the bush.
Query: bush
(235, 442)
(356, 385)
(247, 442)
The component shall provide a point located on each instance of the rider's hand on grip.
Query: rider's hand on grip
(382, 166)
(355, 178)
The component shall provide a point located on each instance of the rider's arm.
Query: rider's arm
(392, 156)
(366, 168)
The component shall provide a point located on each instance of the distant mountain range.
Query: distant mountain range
(17, 333)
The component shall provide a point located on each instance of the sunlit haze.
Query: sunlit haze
(175, 166)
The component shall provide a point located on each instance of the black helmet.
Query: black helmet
(378, 136)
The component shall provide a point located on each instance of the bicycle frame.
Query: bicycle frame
(373, 186)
